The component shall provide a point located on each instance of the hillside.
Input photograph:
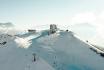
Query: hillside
(37, 51)
(64, 51)
(12, 57)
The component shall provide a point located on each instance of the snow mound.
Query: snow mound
(23, 43)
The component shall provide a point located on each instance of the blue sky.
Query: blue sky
(39, 12)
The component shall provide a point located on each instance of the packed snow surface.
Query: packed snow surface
(59, 51)
(12, 57)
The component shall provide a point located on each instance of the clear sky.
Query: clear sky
(40, 12)
(29, 13)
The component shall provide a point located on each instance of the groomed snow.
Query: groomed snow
(59, 51)
(12, 57)
(64, 51)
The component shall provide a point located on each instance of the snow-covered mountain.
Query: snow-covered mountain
(43, 51)
(13, 57)
(64, 51)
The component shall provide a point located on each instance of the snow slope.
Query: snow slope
(58, 51)
(64, 51)
(13, 57)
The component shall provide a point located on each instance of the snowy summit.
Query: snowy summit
(52, 49)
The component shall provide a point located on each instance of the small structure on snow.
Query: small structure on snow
(53, 29)
(67, 30)
(31, 31)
